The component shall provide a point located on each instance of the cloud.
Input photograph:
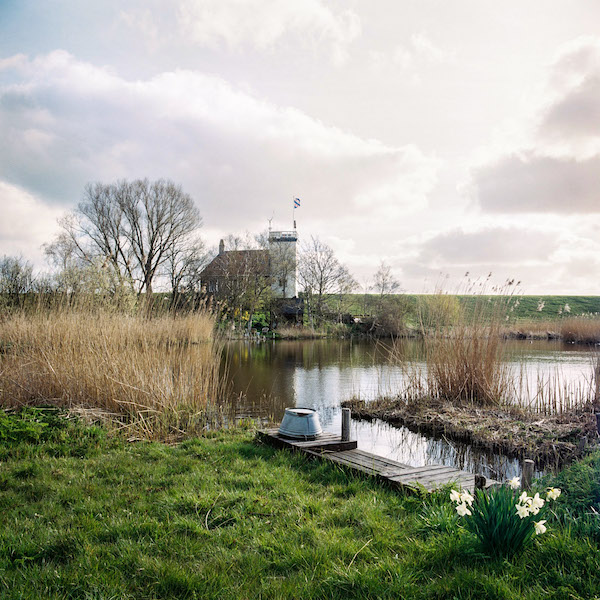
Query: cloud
(501, 245)
(264, 25)
(421, 50)
(65, 122)
(26, 223)
(557, 170)
(531, 183)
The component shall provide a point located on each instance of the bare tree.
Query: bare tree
(384, 280)
(16, 279)
(133, 225)
(320, 274)
(384, 283)
(183, 265)
(346, 284)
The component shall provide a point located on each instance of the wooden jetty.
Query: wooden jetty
(335, 449)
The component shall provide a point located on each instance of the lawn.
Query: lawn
(87, 515)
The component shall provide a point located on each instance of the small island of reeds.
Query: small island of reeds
(466, 389)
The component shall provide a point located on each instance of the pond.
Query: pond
(269, 376)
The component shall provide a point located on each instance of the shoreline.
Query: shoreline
(551, 441)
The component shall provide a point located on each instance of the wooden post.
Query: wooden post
(480, 482)
(527, 474)
(597, 380)
(345, 424)
(582, 444)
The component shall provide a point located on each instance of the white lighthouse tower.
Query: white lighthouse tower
(282, 256)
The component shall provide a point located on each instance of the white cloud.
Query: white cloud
(236, 25)
(26, 223)
(421, 50)
(240, 156)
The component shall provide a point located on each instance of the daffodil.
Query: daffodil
(514, 483)
(455, 496)
(462, 509)
(522, 510)
(553, 493)
(539, 527)
(523, 498)
(467, 498)
(536, 504)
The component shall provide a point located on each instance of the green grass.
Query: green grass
(527, 308)
(88, 516)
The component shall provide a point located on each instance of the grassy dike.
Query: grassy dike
(86, 515)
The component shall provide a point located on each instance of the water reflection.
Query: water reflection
(320, 374)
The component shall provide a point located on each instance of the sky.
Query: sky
(442, 137)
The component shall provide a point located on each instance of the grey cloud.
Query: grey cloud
(576, 114)
(489, 246)
(530, 183)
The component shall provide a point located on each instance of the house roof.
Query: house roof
(236, 263)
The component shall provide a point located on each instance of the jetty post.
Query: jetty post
(345, 424)
(527, 474)
(597, 395)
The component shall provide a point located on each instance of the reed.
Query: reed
(581, 330)
(299, 333)
(464, 355)
(156, 376)
(533, 330)
(466, 363)
(551, 393)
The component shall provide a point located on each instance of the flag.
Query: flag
(296, 202)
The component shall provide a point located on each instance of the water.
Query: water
(270, 376)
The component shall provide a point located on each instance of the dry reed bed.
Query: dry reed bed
(299, 333)
(574, 330)
(580, 330)
(552, 441)
(158, 376)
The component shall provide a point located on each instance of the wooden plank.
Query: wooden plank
(431, 484)
(326, 441)
(366, 461)
(366, 468)
(343, 461)
(440, 478)
(376, 462)
(427, 469)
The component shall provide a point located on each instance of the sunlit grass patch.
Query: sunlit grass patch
(224, 517)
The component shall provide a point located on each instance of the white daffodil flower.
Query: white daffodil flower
(523, 510)
(462, 510)
(553, 493)
(514, 483)
(539, 527)
(467, 498)
(536, 504)
(524, 498)
(455, 496)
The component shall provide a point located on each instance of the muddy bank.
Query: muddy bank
(550, 441)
